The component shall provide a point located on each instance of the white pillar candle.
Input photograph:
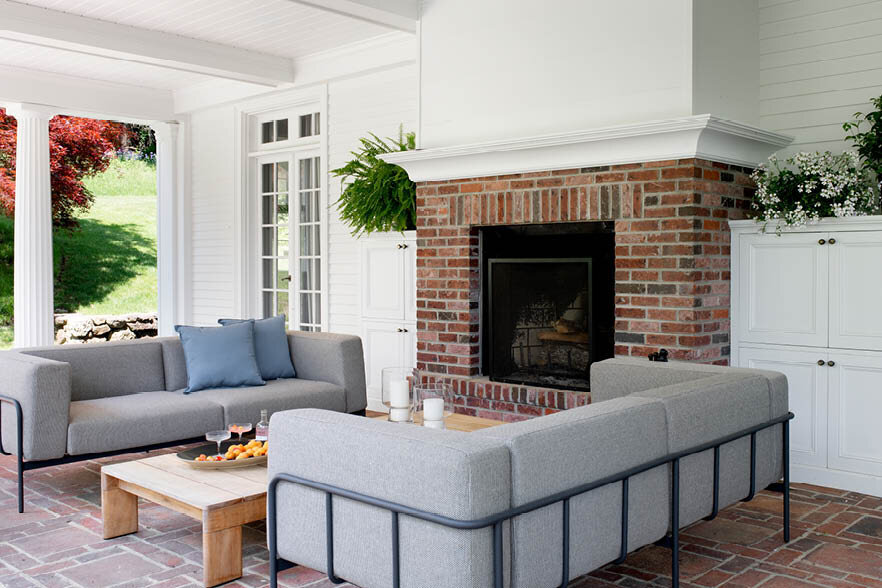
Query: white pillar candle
(434, 424)
(433, 409)
(399, 415)
(399, 394)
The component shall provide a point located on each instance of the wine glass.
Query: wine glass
(218, 437)
(240, 428)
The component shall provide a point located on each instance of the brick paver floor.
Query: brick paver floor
(837, 542)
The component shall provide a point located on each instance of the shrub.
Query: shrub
(868, 143)
(377, 196)
(810, 186)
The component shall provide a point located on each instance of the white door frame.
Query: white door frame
(246, 270)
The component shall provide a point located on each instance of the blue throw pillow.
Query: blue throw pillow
(270, 345)
(220, 357)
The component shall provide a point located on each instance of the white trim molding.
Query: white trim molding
(703, 136)
(850, 223)
(400, 15)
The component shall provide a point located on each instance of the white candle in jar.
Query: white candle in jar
(399, 394)
(399, 415)
(433, 409)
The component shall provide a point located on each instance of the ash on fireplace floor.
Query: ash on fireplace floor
(567, 381)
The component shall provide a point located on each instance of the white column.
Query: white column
(168, 201)
(33, 275)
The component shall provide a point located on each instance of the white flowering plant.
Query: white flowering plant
(809, 186)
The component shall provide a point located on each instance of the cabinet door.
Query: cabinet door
(383, 280)
(383, 347)
(807, 395)
(408, 345)
(855, 286)
(409, 283)
(855, 435)
(783, 289)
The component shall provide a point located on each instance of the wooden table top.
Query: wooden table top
(456, 422)
(203, 489)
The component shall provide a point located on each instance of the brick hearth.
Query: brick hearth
(672, 265)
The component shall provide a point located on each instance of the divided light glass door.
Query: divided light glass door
(290, 240)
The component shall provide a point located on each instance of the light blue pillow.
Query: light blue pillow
(270, 345)
(220, 357)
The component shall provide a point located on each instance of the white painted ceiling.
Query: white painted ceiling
(275, 27)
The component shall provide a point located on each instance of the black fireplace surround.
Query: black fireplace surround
(547, 301)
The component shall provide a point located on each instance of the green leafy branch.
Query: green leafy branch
(377, 196)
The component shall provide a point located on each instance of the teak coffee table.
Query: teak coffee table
(223, 500)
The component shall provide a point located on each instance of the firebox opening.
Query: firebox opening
(547, 302)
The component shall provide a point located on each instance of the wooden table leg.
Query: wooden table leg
(221, 555)
(119, 509)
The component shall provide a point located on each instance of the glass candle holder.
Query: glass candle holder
(435, 402)
(398, 386)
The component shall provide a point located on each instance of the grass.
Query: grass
(108, 265)
(124, 178)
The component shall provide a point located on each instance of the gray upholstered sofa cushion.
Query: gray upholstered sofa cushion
(173, 362)
(700, 411)
(120, 422)
(334, 358)
(102, 370)
(561, 451)
(244, 404)
(455, 474)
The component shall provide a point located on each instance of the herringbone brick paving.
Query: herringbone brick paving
(837, 542)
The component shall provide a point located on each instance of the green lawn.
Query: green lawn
(108, 265)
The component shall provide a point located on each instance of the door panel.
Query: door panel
(855, 437)
(383, 347)
(783, 289)
(807, 392)
(383, 279)
(855, 286)
(409, 283)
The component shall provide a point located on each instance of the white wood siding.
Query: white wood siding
(376, 103)
(820, 62)
(212, 214)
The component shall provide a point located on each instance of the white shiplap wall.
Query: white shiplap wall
(212, 214)
(820, 62)
(377, 103)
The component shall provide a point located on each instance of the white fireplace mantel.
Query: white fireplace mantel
(703, 136)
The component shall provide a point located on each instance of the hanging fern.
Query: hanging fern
(377, 196)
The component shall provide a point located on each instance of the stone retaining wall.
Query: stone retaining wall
(78, 328)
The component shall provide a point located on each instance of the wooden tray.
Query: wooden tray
(190, 455)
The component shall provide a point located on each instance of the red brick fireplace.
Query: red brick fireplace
(671, 265)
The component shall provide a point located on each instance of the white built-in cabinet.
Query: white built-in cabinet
(808, 303)
(388, 306)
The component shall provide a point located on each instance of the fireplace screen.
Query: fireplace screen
(540, 321)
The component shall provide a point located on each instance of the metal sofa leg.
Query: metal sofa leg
(19, 442)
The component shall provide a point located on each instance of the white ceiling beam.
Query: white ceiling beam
(85, 97)
(60, 30)
(400, 15)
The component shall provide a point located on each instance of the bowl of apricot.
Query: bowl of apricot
(233, 455)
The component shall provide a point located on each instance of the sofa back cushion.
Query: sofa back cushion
(445, 472)
(174, 363)
(614, 378)
(102, 370)
(564, 450)
(701, 411)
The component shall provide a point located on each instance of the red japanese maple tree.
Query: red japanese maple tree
(78, 148)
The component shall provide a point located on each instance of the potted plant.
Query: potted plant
(377, 196)
(811, 186)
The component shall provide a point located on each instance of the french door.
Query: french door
(290, 195)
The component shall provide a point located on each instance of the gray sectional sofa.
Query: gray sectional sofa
(411, 506)
(74, 402)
